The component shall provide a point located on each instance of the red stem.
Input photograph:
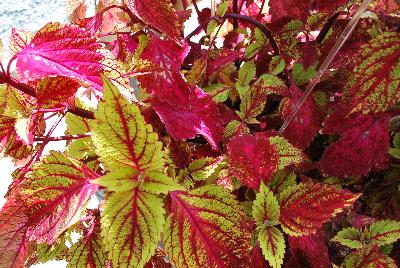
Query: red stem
(64, 138)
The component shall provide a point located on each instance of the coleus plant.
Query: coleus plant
(178, 139)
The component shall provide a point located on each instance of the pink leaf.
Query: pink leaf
(363, 145)
(58, 50)
(252, 159)
(159, 14)
(56, 192)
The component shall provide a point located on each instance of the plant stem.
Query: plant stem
(64, 138)
(324, 66)
(235, 11)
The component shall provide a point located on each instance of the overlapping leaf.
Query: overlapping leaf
(373, 86)
(364, 144)
(132, 222)
(61, 50)
(184, 109)
(89, 250)
(121, 136)
(252, 159)
(56, 192)
(306, 206)
(349, 237)
(384, 232)
(14, 224)
(309, 250)
(305, 125)
(368, 257)
(206, 229)
(159, 14)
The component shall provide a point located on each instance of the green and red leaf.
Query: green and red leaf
(306, 206)
(206, 229)
(132, 223)
(56, 191)
(369, 256)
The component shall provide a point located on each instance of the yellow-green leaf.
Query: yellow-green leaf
(272, 244)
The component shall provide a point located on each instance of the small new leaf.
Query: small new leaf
(266, 210)
(272, 244)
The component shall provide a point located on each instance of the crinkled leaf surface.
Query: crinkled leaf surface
(56, 192)
(306, 206)
(374, 83)
(159, 14)
(132, 222)
(121, 136)
(364, 144)
(14, 223)
(61, 50)
(206, 229)
(252, 159)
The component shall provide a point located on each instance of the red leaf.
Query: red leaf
(54, 91)
(58, 50)
(159, 14)
(257, 259)
(56, 191)
(306, 206)
(301, 9)
(219, 58)
(305, 125)
(311, 247)
(206, 229)
(184, 109)
(13, 228)
(369, 256)
(364, 144)
(252, 159)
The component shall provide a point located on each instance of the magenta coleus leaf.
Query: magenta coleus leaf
(206, 229)
(159, 14)
(184, 109)
(364, 144)
(56, 192)
(307, 122)
(14, 223)
(306, 206)
(61, 50)
(252, 159)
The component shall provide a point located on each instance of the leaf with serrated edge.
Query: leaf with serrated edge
(368, 257)
(121, 136)
(349, 237)
(88, 251)
(266, 207)
(288, 154)
(272, 244)
(306, 206)
(282, 180)
(384, 232)
(131, 223)
(205, 229)
(56, 191)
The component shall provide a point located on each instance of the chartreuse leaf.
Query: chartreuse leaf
(56, 251)
(288, 154)
(246, 72)
(384, 232)
(349, 237)
(272, 244)
(121, 136)
(373, 87)
(266, 207)
(89, 251)
(368, 257)
(306, 206)
(203, 168)
(277, 65)
(56, 190)
(282, 179)
(206, 228)
(131, 223)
